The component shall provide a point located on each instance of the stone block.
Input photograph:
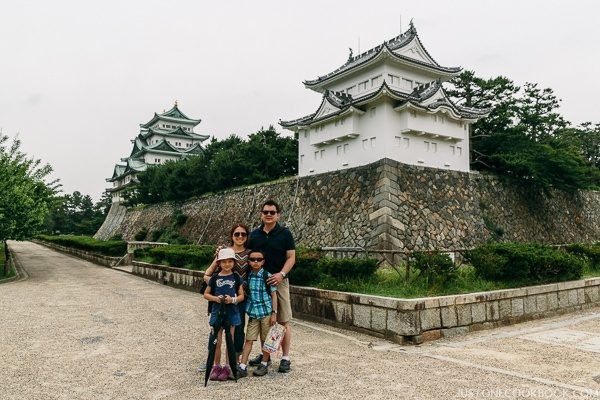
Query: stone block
(592, 294)
(382, 211)
(361, 316)
(542, 289)
(529, 305)
(492, 311)
(378, 319)
(430, 319)
(573, 298)
(404, 323)
(343, 312)
(581, 296)
(431, 335)
(464, 299)
(449, 318)
(457, 331)
(463, 314)
(571, 285)
(505, 308)
(552, 301)
(478, 312)
(517, 307)
(542, 303)
(563, 299)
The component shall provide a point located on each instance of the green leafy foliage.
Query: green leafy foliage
(76, 214)
(589, 252)
(264, 156)
(141, 234)
(436, 267)
(306, 272)
(115, 248)
(25, 196)
(527, 263)
(524, 138)
(179, 256)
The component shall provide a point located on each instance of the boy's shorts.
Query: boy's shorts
(256, 326)
(233, 315)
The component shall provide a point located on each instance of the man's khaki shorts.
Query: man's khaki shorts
(284, 305)
(256, 326)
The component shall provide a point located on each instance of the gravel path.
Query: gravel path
(74, 330)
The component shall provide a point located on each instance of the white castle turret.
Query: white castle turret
(387, 102)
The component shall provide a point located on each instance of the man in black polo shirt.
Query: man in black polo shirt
(277, 244)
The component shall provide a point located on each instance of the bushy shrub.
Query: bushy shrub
(435, 266)
(589, 252)
(347, 268)
(305, 271)
(141, 234)
(195, 257)
(156, 234)
(524, 262)
(115, 248)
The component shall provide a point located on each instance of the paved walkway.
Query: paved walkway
(74, 330)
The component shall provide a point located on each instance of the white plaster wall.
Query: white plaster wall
(380, 136)
(157, 138)
(440, 123)
(149, 158)
(383, 69)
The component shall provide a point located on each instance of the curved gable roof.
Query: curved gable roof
(392, 48)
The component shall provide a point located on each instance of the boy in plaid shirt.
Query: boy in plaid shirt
(261, 308)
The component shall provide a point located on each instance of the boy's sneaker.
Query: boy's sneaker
(260, 370)
(215, 372)
(285, 366)
(254, 362)
(225, 373)
(242, 373)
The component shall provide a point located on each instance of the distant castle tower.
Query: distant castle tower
(166, 137)
(387, 102)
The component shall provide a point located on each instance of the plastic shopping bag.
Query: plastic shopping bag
(274, 338)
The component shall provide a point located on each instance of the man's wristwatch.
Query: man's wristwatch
(283, 274)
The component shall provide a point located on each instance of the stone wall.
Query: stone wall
(385, 205)
(419, 320)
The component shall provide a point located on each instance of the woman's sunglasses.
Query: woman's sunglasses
(240, 234)
(252, 259)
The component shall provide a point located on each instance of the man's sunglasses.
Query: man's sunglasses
(252, 259)
(240, 234)
(269, 212)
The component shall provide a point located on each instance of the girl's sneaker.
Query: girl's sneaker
(215, 373)
(225, 373)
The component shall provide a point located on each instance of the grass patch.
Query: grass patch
(390, 283)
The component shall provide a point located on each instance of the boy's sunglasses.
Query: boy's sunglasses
(240, 234)
(268, 212)
(252, 259)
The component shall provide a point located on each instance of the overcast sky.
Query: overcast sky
(78, 77)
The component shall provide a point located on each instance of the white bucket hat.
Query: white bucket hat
(225, 254)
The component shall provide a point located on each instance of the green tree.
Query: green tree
(25, 196)
(524, 138)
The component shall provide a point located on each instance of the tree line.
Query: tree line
(525, 139)
(265, 155)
